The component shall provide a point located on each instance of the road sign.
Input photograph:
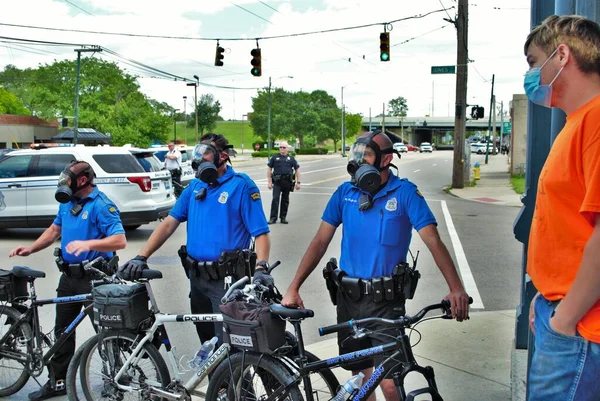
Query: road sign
(443, 69)
(507, 127)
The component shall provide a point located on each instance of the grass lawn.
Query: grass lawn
(518, 183)
(232, 130)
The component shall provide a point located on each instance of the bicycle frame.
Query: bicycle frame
(401, 355)
(160, 319)
(31, 315)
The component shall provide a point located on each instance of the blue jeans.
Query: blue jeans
(563, 368)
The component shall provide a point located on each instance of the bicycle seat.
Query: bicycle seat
(285, 312)
(27, 272)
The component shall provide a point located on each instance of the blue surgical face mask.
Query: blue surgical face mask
(535, 91)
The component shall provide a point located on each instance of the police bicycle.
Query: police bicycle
(239, 378)
(126, 364)
(22, 341)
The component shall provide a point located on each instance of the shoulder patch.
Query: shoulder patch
(255, 196)
(420, 194)
(112, 209)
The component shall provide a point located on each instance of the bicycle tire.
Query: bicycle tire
(8, 315)
(271, 373)
(74, 392)
(114, 348)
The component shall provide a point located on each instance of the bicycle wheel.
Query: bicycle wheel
(261, 376)
(13, 374)
(74, 390)
(100, 362)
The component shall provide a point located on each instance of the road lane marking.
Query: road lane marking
(417, 170)
(435, 165)
(461, 260)
(326, 180)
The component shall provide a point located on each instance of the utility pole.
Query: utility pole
(432, 97)
(383, 119)
(343, 125)
(487, 141)
(501, 125)
(493, 136)
(370, 129)
(269, 121)
(185, 119)
(91, 49)
(195, 85)
(462, 58)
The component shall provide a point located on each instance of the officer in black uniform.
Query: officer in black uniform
(89, 226)
(280, 176)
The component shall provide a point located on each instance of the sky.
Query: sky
(325, 61)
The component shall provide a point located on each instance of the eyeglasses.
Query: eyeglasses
(283, 147)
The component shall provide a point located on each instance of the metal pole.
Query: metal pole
(494, 126)
(243, 115)
(487, 141)
(501, 125)
(269, 121)
(185, 119)
(459, 166)
(343, 125)
(174, 127)
(370, 129)
(383, 119)
(432, 97)
(76, 118)
(196, 103)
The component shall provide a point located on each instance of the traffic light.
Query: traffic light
(219, 56)
(256, 62)
(384, 45)
(476, 112)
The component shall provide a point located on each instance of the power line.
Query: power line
(266, 5)
(79, 8)
(417, 16)
(250, 12)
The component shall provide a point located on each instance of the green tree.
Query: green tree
(109, 99)
(208, 110)
(10, 104)
(398, 107)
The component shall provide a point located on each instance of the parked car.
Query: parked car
(412, 148)
(425, 147)
(400, 147)
(147, 159)
(479, 148)
(5, 151)
(28, 181)
(187, 173)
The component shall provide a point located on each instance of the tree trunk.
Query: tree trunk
(301, 141)
(335, 146)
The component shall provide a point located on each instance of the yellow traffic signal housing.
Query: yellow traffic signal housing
(256, 62)
(219, 56)
(384, 46)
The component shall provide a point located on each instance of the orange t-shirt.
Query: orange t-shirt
(568, 198)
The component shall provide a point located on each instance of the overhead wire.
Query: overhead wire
(250, 12)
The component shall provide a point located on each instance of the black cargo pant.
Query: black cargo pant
(205, 298)
(65, 314)
(280, 188)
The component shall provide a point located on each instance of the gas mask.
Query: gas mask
(206, 163)
(67, 182)
(365, 176)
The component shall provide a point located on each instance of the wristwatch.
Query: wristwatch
(297, 182)
(264, 264)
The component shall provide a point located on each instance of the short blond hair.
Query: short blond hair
(580, 34)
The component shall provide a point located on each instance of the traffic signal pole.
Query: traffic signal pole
(487, 141)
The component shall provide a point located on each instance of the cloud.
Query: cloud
(325, 61)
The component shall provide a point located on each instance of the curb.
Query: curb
(448, 190)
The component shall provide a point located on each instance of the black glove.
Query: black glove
(262, 277)
(132, 269)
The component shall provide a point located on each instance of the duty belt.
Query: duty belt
(208, 269)
(74, 270)
(380, 288)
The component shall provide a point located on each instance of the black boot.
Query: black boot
(283, 220)
(49, 391)
(273, 221)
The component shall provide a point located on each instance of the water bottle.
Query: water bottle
(203, 353)
(349, 388)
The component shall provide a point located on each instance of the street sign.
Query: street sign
(506, 127)
(443, 69)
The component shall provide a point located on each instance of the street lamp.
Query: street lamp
(185, 119)
(243, 115)
(195, 85)
(269, 115)
(344, 121)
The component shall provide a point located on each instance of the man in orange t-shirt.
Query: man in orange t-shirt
(563, 261)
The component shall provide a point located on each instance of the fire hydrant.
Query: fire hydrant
(477, 171)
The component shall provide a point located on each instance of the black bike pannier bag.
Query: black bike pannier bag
(120, 306)
(11, 286)
(249, 326)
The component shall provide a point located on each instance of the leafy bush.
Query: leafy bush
(265, 153)
(312, 151)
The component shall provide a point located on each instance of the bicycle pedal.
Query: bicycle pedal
(59, 385)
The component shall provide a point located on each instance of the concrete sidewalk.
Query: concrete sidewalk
(494, 187)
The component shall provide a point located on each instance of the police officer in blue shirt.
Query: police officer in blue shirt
(223, 210)
(89, 226)
(377, 211)
(281, 170)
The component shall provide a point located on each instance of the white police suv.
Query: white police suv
(187, 174)
(28, 181)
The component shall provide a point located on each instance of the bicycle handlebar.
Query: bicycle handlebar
(402, 322)
(233, 286)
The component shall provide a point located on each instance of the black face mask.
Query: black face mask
(206, 171)
(365, 177)
(67, 184)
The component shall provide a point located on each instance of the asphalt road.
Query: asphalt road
(481, 235)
